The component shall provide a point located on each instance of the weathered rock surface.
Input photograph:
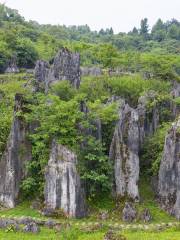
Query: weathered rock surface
(129, 213)
(63, 187)
(41, 76)
(66, 66)
(169, 173)
(12, 66)
(91, 71)
(146, 215)
(124, 151)
(32, 228)
(15, 157)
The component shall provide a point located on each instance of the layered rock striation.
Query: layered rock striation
(63, 188)
(15, 157)
(124, 152)
(66, 66)
(169, 172)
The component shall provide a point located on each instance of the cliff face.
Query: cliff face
(63, 187)
(133, 126)
(41, 76)
(16, 155)
(124, 153)
(169, 173)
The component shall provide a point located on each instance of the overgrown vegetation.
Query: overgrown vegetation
(146, 62)
(155, 52)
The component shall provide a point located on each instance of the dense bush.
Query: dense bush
(26, 53)
(152, 151)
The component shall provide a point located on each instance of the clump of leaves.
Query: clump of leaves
(152, 150)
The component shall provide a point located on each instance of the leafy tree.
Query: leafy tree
(174, 32)
(94, 168)
(159, 31)
(150, 160)
(64, 90)
(144, 28)
(26, 53)
(4, 56)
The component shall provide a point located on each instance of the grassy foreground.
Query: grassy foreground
(170, 234)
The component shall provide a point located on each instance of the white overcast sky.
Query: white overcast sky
(122, 15)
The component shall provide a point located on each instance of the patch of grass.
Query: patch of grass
(169, 234)
(148, 201)
(21, 210)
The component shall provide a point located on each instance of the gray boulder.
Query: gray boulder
(124, 151)
(24, 220)
(31, 228)
(169, 172)
(15, 157)
(129, 213)
(63, 187)
(146, 215)
(50, 223)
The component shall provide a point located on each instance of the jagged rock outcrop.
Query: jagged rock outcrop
(63, 187)
(91, 71)
(12, 66)
(133, 126)
(146, 215)
(15, 157)
(41, 76)
(124, 151)
(129, 213)
(66, 66)
(169, 172)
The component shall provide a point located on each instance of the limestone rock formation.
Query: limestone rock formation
(169, 173)
(146, 215)
(129, 213)
(41, 76)
(12, 66)
(63, 187)
(31, 227)
(124, 151)
(15, 157)
(66, 66)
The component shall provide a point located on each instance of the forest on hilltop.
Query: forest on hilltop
(156, 50)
